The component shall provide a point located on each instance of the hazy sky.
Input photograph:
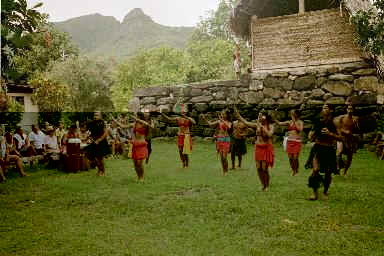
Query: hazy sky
(165, 12)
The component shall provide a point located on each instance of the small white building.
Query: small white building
(23, 95)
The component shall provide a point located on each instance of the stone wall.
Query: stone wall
(306, 89)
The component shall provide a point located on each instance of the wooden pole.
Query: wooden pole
(301, 6)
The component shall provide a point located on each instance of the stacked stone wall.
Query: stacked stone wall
(306, 89)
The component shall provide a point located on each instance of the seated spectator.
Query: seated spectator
(71, 134)
(50, 141)
(22, 143)
(2, 158)
(60, 132)
(36, 138)
(114, 139)
(12, 155)
(84, 135)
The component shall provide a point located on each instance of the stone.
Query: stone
(365, 72)
(148, 100)
(320, 81)
(327, 95)
(179, 90)
(278, 82)
(280, 74)
(152, 91)
(317, 93)
(256, 85)
(364, 99)
(305, 82)
(219, 95)
(299, 72)
(380, 99)
(292, 78)
(252, 97)
(259, 76)
(272, 93)
(201, 107)
(316, 102)
(332, 70)
(268, 101)
(195, 92)
(165, 108)
(341, 77)
(288, 103)
(350, 67)
(168, 100)
(336, 100)
(339, 88)
(202, 99)
(369, 83)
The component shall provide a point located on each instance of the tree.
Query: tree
(370, 29)
(158, 66)
(88, 82)
(210, 60)
(18, 23)
(46, 47)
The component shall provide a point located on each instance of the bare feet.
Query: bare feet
(325, 197)
(314, 196)
(100, 174)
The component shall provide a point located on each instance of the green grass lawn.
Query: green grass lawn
(192, 212)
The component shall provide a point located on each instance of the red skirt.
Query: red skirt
(139, 150)
(293, 146)
(180, 141)
(223, 145)
(264, 152)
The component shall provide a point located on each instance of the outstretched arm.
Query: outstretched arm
(249, 124)
(190, 119)
(210, 123)
(170, 119)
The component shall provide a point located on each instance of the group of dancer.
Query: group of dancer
(331, 137)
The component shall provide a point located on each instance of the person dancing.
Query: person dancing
(264, 155)
(139, 143)
(99, 147)
(184, 139)
(346, 124)
(295, 126)
(222, 137)
(238, 145)
(323, 154)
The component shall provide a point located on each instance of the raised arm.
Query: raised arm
(170, 119)
(144, 122)
(210, 123)
(190, 119)
(249, 124)
(282, 123)
(123, 125)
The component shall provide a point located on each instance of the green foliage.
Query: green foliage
(88, 82)
(159, 66)
(14, 114)
(370, 29)
(18, 24)
(46, 47)
(210, 60)
(50, 95)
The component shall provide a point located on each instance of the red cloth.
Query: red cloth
(293, 147)
(223, 147)
(264, 152)
(139, 150)
(180, 140)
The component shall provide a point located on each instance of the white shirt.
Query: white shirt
(37, 140)
(21, 140)
(3, 147)
(51, 142)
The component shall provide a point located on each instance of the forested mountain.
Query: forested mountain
(102, 35)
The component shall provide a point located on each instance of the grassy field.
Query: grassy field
(192, 212)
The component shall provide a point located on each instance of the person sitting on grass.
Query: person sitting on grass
(23, 145)
(12, 155)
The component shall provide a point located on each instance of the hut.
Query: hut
(305, 33)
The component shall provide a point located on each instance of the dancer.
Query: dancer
(323, 153)
(99, 147)
(184, 139)
(139, 144)
(264, 155)
(149, 134)
(295, 126)
(347, 125)
(222, 137)
(238, 145)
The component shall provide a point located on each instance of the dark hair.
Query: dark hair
(73, 126)
(140, 115)
(296, 112)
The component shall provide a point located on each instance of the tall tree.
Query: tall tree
(18, 23)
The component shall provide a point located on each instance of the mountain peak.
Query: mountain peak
(136, 14)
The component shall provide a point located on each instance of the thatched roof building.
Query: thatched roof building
(298, 33)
